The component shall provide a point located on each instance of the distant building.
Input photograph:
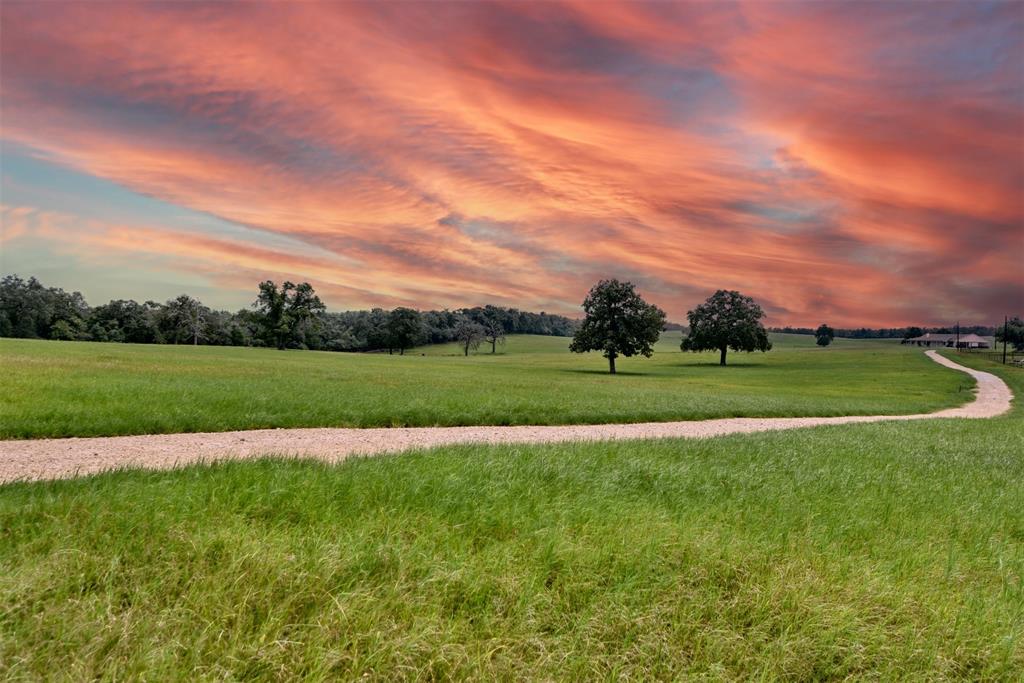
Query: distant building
(967, 341)
(970, 341)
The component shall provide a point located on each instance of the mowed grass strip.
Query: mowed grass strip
(887, 551)
(58, 389)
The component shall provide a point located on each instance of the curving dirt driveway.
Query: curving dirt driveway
(57, 458)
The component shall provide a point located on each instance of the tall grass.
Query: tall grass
(884, 551)
(84, 389)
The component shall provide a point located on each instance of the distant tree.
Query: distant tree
(376, 325)
(824, 335)
(28, 309)
(912, 332)
(618, 322)
(304, 310)
(1014, 333)
(271, 304)
(345, 340)
(727, 320)
(440, 326)
(494, 327)
(63, 330)
(125, 321)
(186, 317)
(245, 328)
(286, 313)
(101, 332)
(469, 334)
(405, 329)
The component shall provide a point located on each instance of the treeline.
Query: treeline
(893, 332)
(288, 316)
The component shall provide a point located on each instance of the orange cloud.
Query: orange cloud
(824, 158)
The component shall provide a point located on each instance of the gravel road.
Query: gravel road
(57, 458)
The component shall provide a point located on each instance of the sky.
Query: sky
(860, 164)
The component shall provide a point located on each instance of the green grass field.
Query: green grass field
(55, 389)
(882, 552)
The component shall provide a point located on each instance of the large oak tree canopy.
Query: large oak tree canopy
(727, 320)
(618, 322)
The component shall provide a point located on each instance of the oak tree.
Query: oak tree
(285, 313)
(618, 322)
(824, 335)
(405, 329)
(727, 320)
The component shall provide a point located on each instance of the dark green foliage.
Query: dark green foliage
(288, 314)
(439, 326)
(64, 330)
(404, 329)
(184, 319)
(127, 321)
(30, 310)
(369, 330)
(377, 336)
(1012, 332)
(727, 320)
(618, 322)
(889, 332)
(824, 335)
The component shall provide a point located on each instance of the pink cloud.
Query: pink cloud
(452, 154)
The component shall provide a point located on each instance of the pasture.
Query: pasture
(58, 389)
(884, 551)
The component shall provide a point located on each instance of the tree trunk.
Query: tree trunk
(494, 345)
(722, 360)
(465, 350)
(401, 352)
(611, 365)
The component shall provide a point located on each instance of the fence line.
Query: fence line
(1012, 357)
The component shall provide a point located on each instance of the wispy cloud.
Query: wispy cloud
(856, 162)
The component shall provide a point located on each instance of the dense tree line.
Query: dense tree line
(293, 316)
(283, 316)
(891, 332)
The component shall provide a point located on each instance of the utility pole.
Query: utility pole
(1006, 327)
(958, 336)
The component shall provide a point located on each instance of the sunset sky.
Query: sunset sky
(856, 164)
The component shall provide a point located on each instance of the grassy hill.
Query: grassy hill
(891, 551)
(87, 389)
